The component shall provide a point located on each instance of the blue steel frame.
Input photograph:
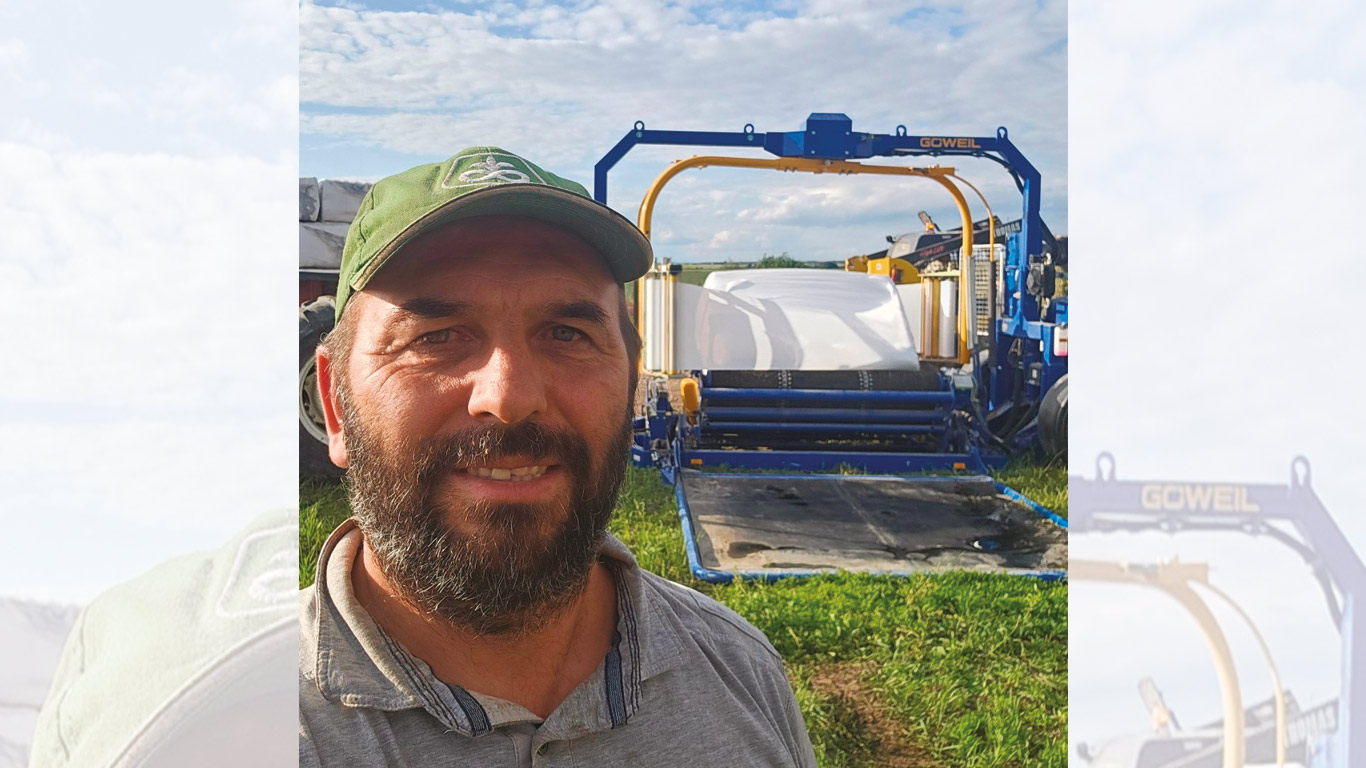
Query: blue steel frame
(831, 136)
(1106, 504)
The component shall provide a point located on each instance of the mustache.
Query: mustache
(486, 443)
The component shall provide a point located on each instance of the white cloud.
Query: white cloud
(138, 294)
(1217, 147)
(147, 269)
(14, 56)
(215, 98)
(261, 22)
(566, 84)
(204, 77)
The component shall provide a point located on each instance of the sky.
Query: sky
(1213, 300)
(382, 89)
(146, 283)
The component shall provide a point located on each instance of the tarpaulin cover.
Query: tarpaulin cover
(341, 199)
(310, 201)
(780, 522)
(321, 243)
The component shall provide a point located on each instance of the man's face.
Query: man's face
(484, 415)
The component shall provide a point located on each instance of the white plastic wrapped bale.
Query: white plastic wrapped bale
(341, 199)
(310, 203)
(32, 635)
(912, 304)
(320, 244)
(792, 319)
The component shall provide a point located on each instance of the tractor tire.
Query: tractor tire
(1053, 419)
(315, 320)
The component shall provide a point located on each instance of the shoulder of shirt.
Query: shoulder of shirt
(308, 631)
(707, 620)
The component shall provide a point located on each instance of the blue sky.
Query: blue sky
(383, 89)
(1197, 346)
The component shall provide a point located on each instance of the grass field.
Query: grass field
(957, 670)
(696, 274)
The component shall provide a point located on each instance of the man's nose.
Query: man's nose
(508, 388)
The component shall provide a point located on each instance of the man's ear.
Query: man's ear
(331, 401)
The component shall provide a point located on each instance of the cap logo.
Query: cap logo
(489, 170)
(265, 574)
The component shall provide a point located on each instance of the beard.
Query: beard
(490, 568)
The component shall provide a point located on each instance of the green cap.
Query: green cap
(481, 181)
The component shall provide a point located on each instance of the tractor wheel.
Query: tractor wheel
(315, 320)
(1053, 419)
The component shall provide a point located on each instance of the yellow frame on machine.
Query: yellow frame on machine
(1175, 578)
(936, 173)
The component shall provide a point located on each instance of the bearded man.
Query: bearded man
(474, 611)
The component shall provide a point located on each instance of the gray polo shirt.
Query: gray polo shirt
(687, 682)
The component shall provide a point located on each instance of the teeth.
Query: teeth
(514, 475)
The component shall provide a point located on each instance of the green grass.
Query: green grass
(696, 275)
(322, 507)
(971, 668)
(1044, 483)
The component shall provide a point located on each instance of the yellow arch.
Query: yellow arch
(937, 174)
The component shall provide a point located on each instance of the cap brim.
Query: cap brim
(625, 249)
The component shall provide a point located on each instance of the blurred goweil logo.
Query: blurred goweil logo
(1197, 497)
(947, 142)
(483, 168)
(264, 576)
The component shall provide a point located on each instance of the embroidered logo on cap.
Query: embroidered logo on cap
(264, 576)
(484, 168)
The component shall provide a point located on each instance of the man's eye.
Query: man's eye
(436, 337)
(565, 333)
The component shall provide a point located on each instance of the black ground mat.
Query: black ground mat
(778, 523)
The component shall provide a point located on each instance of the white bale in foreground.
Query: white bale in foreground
(792, 319)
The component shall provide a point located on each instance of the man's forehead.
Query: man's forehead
(511, 248)
(468, 300)
(537, 297)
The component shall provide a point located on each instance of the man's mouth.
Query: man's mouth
(505, 473)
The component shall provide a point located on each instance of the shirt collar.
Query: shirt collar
(357, 664)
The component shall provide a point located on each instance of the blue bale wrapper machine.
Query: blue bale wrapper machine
(790, 471)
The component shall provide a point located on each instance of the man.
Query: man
(478, 389)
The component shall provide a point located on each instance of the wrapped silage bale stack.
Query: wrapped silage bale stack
(326, 209)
